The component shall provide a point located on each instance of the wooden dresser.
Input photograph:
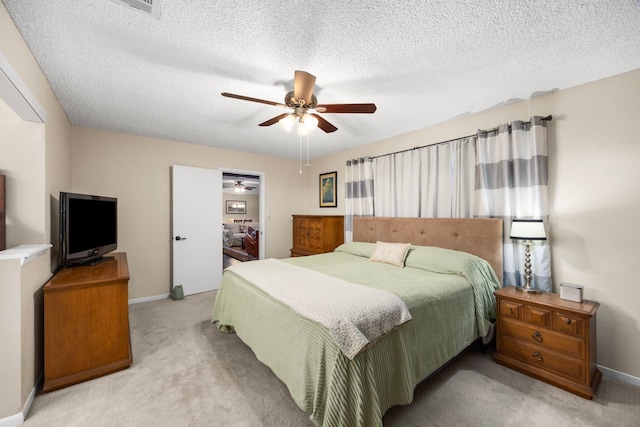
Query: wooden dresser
(316, 234)
(86, 323)
(549, 338)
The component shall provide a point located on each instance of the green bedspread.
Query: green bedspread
(449, 295)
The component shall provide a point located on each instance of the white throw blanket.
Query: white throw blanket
(355, 315)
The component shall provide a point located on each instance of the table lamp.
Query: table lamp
(528, 230)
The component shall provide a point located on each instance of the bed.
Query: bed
(446, 284)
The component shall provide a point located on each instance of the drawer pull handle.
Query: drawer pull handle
(537, 336)
(569, 321)
(538, 356)
(510, 310)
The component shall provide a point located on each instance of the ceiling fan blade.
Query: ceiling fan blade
(247, 98)
(346, 108)
(303, 84)
(325, 125)
(273, 120)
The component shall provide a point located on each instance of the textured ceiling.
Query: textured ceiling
(421, 62)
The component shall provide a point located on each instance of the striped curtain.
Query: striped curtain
(511, 182)
(358, 192)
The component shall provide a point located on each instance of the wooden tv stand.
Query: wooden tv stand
(86, 323)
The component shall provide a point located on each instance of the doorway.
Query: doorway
(243, 215)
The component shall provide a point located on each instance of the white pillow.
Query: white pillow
(391, 253)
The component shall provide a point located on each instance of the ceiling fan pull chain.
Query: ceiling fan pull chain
(300, 145)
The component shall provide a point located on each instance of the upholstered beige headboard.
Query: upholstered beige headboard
(481, 237)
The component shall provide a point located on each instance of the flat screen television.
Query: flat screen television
(88, 228)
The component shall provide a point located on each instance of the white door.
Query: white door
(197, 228)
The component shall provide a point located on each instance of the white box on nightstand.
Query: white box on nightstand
(571, 292)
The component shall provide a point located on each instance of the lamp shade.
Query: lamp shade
(528, 229)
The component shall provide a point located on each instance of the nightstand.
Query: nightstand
(548, 338)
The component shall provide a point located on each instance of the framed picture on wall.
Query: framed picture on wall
(236, 207)
(329, 190)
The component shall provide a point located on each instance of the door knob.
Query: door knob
(180, 238)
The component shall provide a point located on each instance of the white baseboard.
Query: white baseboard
(32, 395)
(12, 421)
(620, 376)
(17, 419)
(147, 299)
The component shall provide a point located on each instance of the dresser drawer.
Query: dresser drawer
(536, 355)
(563, 343)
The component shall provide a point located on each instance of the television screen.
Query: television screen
(89, 227)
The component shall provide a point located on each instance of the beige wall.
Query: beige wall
(36, 158)
(23, 163)
(594, 194)
(32, 322)
(136, 170)
(21, 330)
(10, 329)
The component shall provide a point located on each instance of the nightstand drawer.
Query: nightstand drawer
(569, 367)
(565, 322)
(537, 315)
(563, 343)
(510, 309)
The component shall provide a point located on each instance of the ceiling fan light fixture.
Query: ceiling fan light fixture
(307, 124)
(238, 187)
(305, 107)
(288, 122)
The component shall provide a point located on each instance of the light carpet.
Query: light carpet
(186, 373)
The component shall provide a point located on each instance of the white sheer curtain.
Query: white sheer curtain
(511, 182)
(397, 188)
(432, 181)
(358, 192)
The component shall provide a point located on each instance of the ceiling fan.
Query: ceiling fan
(305, 107)
(238, 186)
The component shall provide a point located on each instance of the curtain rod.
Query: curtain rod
(548, 118)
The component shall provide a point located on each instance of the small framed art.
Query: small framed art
(329, 190)
(236, 207)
